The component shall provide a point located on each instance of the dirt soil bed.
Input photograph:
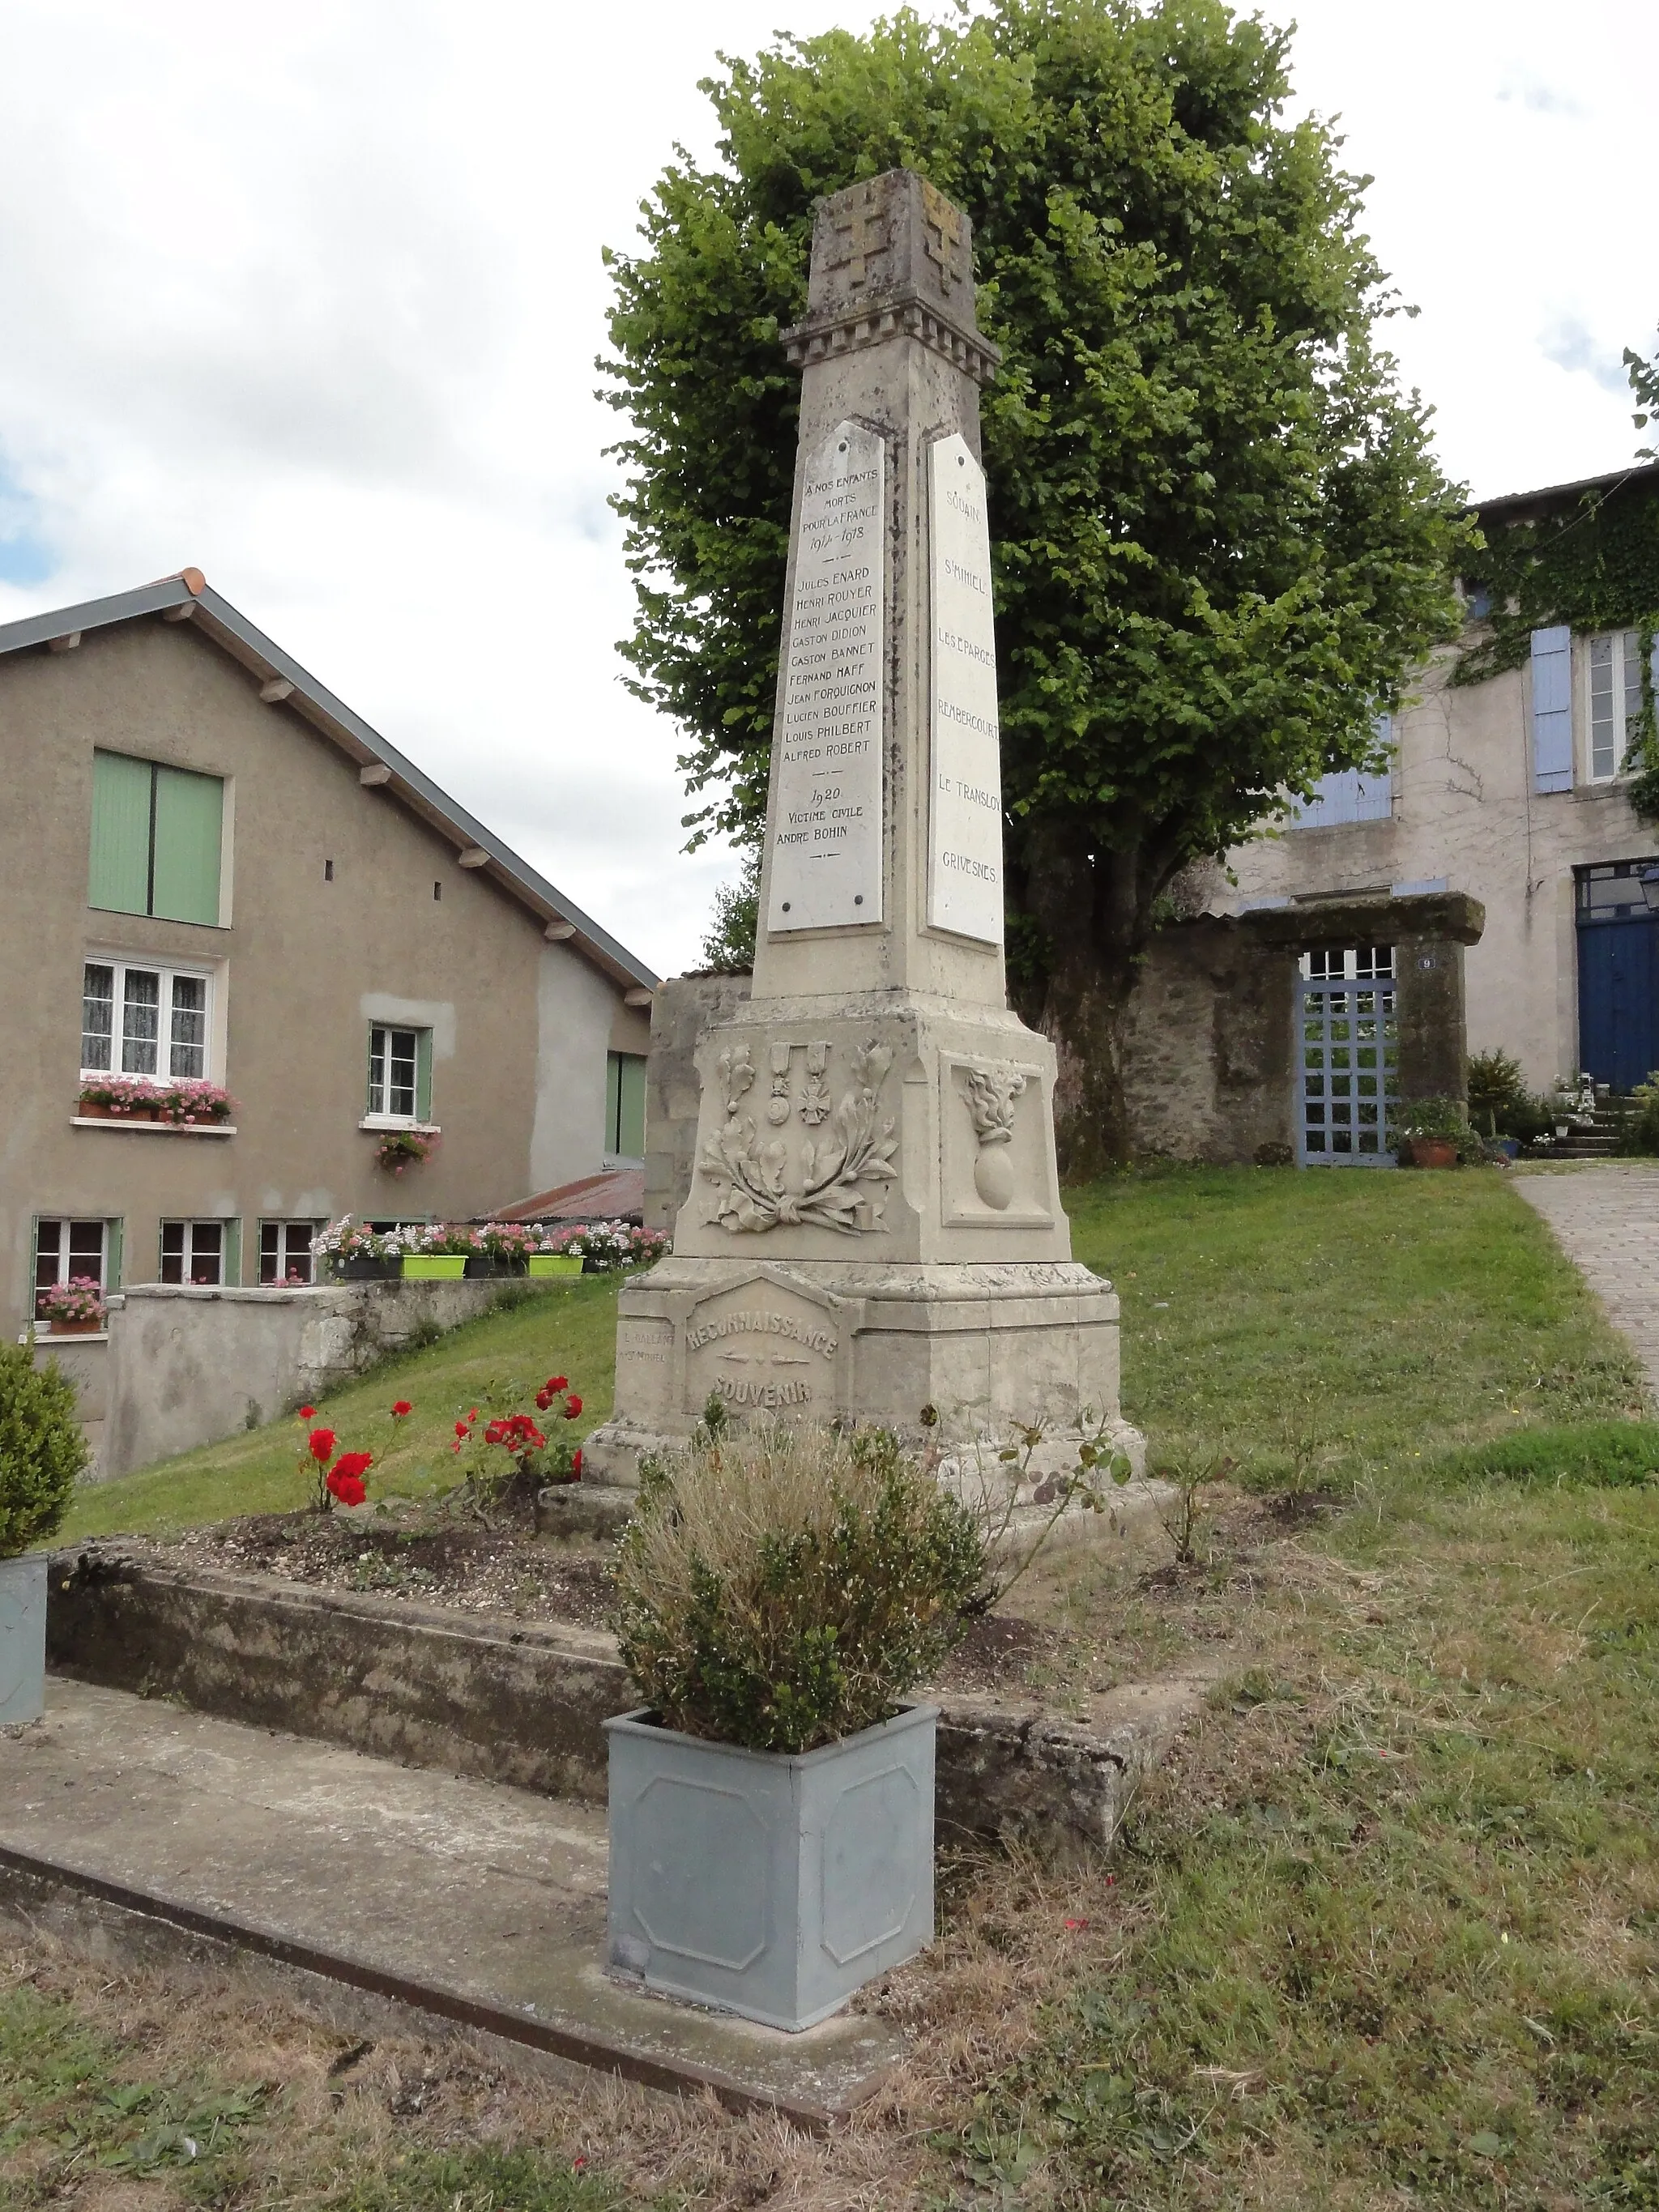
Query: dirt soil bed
(505, 1568)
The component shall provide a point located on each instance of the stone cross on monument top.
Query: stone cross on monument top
(873, 1225)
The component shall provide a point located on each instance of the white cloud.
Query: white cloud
(311, 296)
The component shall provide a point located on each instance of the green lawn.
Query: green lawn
(1384, 1932)
(568, 1329)
(1343, 1322)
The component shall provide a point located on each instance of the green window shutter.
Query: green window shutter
(112, 1255)
(422, 1075)
(189, 822)
(612, 1099)
(119, 879)
(231, 1271)
(630, 1108)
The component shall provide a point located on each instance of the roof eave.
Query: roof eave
(261, 656)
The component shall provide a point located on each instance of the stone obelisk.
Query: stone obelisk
(874, 1226)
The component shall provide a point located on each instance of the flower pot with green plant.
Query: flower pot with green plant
(438, 1254)
(1433, 1132)
(42, 1455)
(779, 1591)
(76, 1308)
(402, 1149)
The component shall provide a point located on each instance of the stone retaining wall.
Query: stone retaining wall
(189, 1365)
(516, 1705)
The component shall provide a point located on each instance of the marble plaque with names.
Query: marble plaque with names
(964, 810)
(825, 826)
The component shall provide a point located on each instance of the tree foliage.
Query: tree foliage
(1219, 537)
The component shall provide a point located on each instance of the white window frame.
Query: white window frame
(286, 1239)
(1624, 659)
(165, 971)
(187, 1258)
(65, 1271)
(383, 1116)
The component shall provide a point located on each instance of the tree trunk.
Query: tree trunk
(1094, 908)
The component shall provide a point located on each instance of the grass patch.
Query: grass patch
(567, 1328)
(1319, 1327)
(1604, 1454)
(86, 2115)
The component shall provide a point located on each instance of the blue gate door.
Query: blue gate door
(1619, 1000)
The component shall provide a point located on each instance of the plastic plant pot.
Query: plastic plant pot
(22, 1638)
(542, 1264)
(433, 1267)
(770, 1884)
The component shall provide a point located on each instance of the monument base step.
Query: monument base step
(387, 1900)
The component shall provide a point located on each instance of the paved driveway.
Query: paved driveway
(1605, 1219)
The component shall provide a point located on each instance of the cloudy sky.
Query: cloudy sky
(308, 295)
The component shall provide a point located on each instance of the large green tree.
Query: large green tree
(1220, 538)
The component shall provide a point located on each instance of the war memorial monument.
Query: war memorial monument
(874, 1226)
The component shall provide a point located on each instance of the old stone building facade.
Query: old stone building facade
(1516, 791)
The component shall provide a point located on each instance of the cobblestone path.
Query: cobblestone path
(1606, 1219)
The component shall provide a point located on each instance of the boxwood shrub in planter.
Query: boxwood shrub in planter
(42, 1453)
(771, 1804)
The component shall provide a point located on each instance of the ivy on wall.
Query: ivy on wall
(1593, 565)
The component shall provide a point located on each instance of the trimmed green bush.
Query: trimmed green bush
(1606, 1455)
(42, 1450)
(782, 1588)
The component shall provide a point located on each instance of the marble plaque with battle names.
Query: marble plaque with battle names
(825, 827)
(964, 810)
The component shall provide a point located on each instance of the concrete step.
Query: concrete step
(387, 1899)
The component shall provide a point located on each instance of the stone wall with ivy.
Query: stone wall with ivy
(1592, 563)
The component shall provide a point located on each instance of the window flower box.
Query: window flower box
(76, 1308)
(183, 1104)
(367, 1269)
(434, 1267)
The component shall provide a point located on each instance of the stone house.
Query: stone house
(1513, 792)
(210, 867)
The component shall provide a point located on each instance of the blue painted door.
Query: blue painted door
(1619, 1000)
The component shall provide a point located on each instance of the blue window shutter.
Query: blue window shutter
(1551, 709)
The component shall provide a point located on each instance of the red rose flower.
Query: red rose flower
(402, 1409)
(352, 1465)
(576, 1465)
(495, 1432)
(348, 1488)
(543, 1400)
(322, 1445)
(307, 1413)
(573, 1406)
(557, 1382)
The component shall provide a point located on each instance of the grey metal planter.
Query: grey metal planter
(767, 1883)
(22, 1638)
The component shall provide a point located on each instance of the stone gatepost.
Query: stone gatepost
(874, 1223)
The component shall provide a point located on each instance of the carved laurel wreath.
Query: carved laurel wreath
(841, 1176)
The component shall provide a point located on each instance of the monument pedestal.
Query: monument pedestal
(874, 1230)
